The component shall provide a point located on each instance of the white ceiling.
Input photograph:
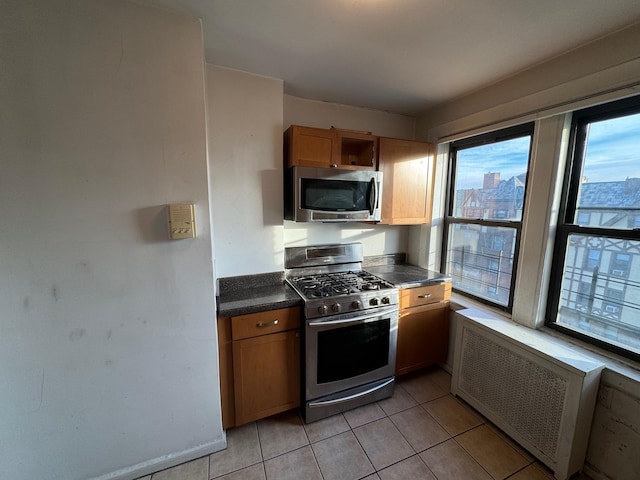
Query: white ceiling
(402, 56)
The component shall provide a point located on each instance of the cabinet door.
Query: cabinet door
(423, 337)
(408, 181)
(311, 147)
(266, 375)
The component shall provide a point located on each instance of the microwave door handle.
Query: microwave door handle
(373, 195)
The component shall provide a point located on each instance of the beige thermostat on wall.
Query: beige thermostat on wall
(182, 220)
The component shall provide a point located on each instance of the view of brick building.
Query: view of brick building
(601, 282)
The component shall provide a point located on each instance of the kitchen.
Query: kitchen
(85, 400)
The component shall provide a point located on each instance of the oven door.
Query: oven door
(344, 351)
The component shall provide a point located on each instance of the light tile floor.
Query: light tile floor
(422, 432)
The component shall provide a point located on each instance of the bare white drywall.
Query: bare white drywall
(245, 161)
(108, 350)
(313, 113)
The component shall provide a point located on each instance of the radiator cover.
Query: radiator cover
(529, 384)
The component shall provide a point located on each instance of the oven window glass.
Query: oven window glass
(335, 195)
(346, 352)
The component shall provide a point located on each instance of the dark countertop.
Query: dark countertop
(407, 276)
(255, 293)
(257, 299)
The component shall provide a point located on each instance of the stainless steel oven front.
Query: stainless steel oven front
(349, 360)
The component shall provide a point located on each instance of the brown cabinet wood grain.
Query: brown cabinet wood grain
(415, 297)
(357, 150)
(263, 323)
(225, 352)
(407, 192)
(423, 327)
(266, 375)
(259, 364)
(329, 148)
(311, 147)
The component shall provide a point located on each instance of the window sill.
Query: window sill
(620, 373)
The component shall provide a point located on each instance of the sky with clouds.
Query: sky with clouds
(613, 154)
(613, 150)
(509, 157)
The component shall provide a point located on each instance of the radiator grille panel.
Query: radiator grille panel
(527, 396)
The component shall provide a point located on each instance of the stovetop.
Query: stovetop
(338, 283)
(343, 293)
(330, 280)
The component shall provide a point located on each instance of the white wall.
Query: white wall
(375, 239)
(245, 160)
(313, 113)
(108, 350)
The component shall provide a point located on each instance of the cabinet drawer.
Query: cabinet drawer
(413, 297)
(262, 323)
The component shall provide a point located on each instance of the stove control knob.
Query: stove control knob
(373, 301)
(322, 309)
(386, 300)
(356, 304)
(335, 307)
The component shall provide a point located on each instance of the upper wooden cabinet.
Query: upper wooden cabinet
(329, 148)
(311, 147)
(357, 149)
(407, 190)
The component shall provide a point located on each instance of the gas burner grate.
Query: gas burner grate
(338, 283)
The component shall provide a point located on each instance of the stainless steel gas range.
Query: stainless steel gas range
(350, 332)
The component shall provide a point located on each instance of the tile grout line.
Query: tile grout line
(309, 444)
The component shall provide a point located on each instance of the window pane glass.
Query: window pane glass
(600, 294)
(491, 195)
(609, 193)
(480, 260)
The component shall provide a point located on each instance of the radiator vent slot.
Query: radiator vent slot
(527, 396)
(539, 392)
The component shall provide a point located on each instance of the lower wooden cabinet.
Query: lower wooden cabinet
(259, 365)
(266, 375)
(423, 327)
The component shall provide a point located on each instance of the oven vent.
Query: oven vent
(529, 385)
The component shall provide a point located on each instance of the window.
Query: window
(620, 264)
(584, 218)
(484, 213)
(592, 259)
(595, 288)
(613, 301)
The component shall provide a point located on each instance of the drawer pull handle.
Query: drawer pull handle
(266, 324)
(426, 295)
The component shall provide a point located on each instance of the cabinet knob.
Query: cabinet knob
(333, 165)
(426, 295)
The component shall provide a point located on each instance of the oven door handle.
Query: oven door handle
(324, 403)
(376, 313)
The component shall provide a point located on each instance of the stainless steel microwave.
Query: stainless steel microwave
(332, 195)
